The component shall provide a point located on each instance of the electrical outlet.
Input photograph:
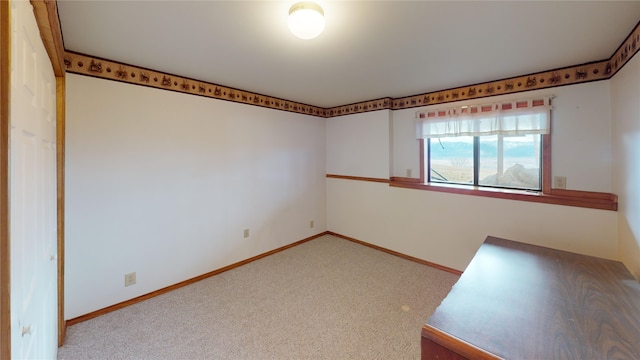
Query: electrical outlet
(559, 182)
(129, 279)
(409, 173)
(311, 224)
(246, 233)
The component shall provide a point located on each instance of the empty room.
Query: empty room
(319, 180)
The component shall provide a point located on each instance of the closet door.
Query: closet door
(33, 232)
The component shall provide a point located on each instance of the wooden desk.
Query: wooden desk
(520, 301)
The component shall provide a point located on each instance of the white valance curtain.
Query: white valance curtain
(520, 117)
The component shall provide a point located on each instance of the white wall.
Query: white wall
(163, 184)
(358, 145)
(580, 130)
(625, 114)
(448, 228)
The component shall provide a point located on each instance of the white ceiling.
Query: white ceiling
(369, 49)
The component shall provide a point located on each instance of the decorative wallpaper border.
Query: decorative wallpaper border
(600, 70)
(541, 80)
(112, 70)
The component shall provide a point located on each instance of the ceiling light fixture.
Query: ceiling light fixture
(306, 19)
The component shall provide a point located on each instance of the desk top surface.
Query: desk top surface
(521, 301)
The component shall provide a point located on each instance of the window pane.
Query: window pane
(452, 159)
(510, 161)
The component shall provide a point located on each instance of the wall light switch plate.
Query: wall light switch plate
(129, 279)
(559, 182)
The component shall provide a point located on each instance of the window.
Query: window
(509, 161)
(493, 145)
(504, 148)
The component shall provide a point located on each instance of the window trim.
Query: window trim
(586, 199)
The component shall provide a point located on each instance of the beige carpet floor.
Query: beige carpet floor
(328, 298)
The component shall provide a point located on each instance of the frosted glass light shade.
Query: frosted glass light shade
(306, 19)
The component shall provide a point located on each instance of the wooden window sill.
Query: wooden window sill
(586, 199)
